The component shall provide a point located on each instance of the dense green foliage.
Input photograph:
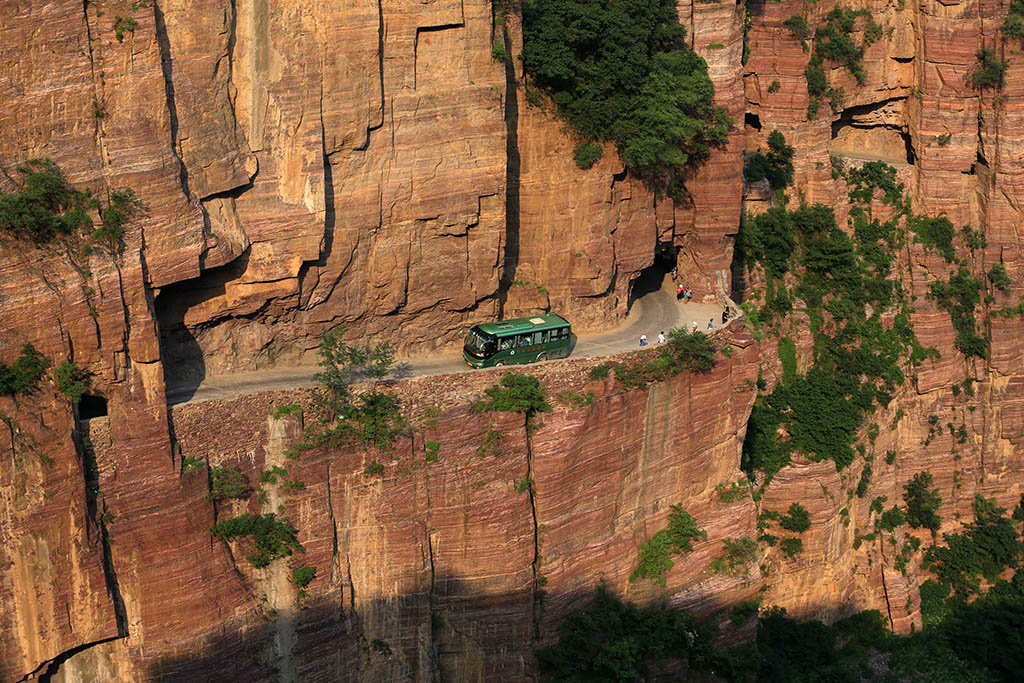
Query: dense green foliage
(623, 71)
(845, 285)
(797, 519)
(227, 482)
(21, 377)
(736, 555)
(776, 165)
(587, 154)
(934, 233)
(517, 393)
(984, 549)
(968, 635)
(69, 380)
(998, 277)
(833, 43)
(990, 72)
(273, 537)
(683, 352)
(45, 206)
(656, 555)
(1013, 27)
(959, 296)
(923, 502)
(301, 576)
(615, 641)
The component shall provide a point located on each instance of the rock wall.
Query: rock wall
(430, 569)
(371, 164)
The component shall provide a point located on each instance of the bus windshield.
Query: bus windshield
(480, 344)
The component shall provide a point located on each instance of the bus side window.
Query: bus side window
(524, 340)
(538, 337)
(505, 344)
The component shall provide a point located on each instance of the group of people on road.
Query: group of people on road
(684, 294)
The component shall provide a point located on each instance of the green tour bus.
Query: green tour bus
(517, 341)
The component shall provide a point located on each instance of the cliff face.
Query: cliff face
(371, 164)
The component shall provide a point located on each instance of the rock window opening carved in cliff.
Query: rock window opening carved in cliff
(873, 131)
(92, 406)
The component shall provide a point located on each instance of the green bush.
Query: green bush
(814, 74)
(990, 72)
(123, 24)
(959, 296)
(776, 165)
(774, 86)
(798, 27)
(43, 206)
(498, 51)
(934, 233)
(736, 555)
(684, 352)
(791, 547)
(615, 641)
(890, 519)
(431, 449)
(998, 277)
(373, 469)
(123, 205)
(1013, 27)
(742, 611)
(943, 139)
(227, 482)
(624, 72)
(301, 576)
(656, 555)
(68, 378)
(371, 419)
(22, 377)
(923, 502)
(575, 399)
(600, 371)
(797, 519)
(587, 154)
(191, 464)
(285, 411)
(517, 393)
(865, 481)
(273, 537)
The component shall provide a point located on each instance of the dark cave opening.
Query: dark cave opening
(92, 406)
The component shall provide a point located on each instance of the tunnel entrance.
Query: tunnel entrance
(92, 406)
(652, 278)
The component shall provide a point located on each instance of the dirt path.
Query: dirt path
(653, 313)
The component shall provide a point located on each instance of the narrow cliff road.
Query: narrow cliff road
(650, 314)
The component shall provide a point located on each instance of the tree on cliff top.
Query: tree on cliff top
(622, 71)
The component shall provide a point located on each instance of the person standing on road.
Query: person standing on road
(695, 325)
(643, 340)
(661, 337)
(680, 292)
(711, 323)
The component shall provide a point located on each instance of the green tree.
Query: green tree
(923, 502)
(22, 377)
(623, 71)
(372, 418)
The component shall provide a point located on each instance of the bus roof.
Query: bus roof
(534, 323)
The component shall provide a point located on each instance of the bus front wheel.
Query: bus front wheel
(499, 363)
(542, 357)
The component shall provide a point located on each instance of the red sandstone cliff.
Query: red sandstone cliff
(304, 165)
